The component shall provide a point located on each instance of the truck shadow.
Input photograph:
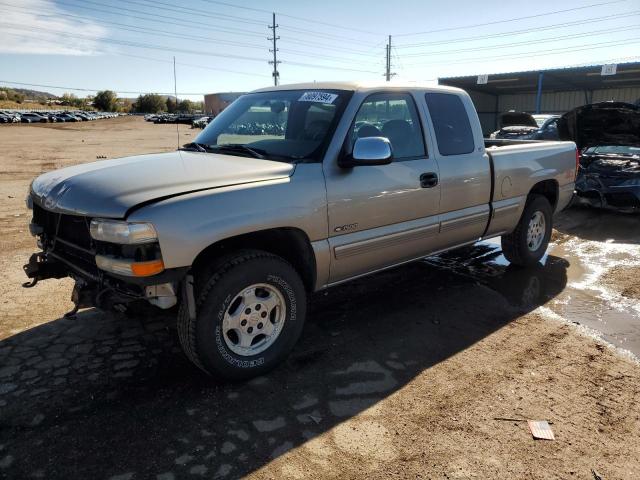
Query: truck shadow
(102, 395)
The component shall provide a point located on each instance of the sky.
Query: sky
(128, 45)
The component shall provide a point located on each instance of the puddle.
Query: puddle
(567, 282)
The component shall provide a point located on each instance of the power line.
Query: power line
(539, 53)
(521, 31)
(143, 30)
(318, 22)
(127, 43)
(164, 48)
(93, 89)
(155, 32)
(162, 18)
(495, 22)
(324, 35)
(190, 25)
(526, 42)
(193, 11)
(192, 65)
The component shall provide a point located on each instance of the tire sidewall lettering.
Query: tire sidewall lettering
(285, 288)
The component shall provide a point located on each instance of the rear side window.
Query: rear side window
(451, 123)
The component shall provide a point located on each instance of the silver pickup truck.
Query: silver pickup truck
(290, 190)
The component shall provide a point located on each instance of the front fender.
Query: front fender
(188, 224)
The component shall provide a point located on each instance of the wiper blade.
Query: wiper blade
(198, 147)
(238, 147)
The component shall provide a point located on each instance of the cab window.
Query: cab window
(394, 116)
(451, 123)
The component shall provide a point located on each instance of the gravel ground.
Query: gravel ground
(426, 371)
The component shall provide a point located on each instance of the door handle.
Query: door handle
(428, 180)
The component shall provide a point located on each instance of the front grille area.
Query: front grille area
(67, 237)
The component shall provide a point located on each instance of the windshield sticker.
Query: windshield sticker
(318, 97)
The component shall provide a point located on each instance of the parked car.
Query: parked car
(548, 128)
(200, 122)
(515, 125)
(67, 117)
(608, 137)
(11, 117)
(32, 117)
(240, 229)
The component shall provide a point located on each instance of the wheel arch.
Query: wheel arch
(550, 189)
(290, 243)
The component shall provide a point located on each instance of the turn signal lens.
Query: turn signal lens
(146, 269)
(129, 268)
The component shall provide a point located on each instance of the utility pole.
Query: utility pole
(275, 61)
(388, 73)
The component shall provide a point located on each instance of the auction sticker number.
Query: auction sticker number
(318, 97)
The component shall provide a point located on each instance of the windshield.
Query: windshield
(614, 150)
(291, 125)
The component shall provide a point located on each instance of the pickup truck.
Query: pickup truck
(290, 190)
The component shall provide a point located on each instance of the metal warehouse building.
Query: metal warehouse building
(214, 103)
(548, 91)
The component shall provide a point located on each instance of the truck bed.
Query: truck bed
(518, 166)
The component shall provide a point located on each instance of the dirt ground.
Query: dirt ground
(425, 371)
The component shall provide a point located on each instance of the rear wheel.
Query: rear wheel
(250, 310)
(526, 245)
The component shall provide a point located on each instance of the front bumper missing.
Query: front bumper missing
(39, 268)
(104, 290)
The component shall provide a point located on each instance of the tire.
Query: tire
(516, 246)
(209, 342)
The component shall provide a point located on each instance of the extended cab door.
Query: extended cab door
(465, 170)
(382, 215)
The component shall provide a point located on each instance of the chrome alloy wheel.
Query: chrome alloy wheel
(536, 231)
(254, 319)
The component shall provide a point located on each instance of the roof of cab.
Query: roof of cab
(359, 86)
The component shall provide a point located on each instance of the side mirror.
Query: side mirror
(369, 151)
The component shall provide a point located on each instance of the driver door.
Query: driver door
(387, 214)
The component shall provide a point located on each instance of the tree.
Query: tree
(185, 106)
(106, 101)
(69, 99)
(150, 103)
(126, 105)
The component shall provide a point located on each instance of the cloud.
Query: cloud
(39, 27)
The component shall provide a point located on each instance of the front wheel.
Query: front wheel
(526, 245)
(250, 310)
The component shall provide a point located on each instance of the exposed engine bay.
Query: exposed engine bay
(608, 137)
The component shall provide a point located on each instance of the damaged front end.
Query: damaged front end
(608, 137)
(609, 180)
(111, 271)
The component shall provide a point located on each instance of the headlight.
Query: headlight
(115, 231)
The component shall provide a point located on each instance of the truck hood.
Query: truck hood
(598, 124)
(110, 188)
